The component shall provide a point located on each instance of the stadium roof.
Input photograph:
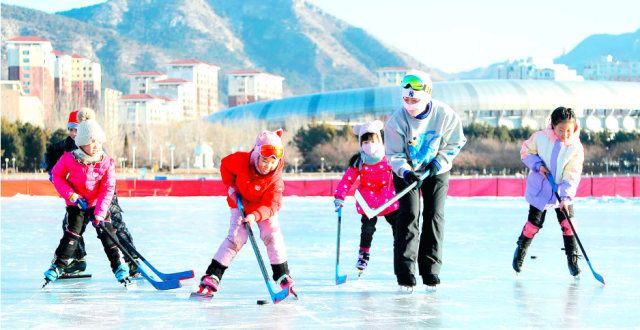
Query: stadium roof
(462, 95)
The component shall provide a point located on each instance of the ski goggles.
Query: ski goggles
(415, 83)
(267, 150)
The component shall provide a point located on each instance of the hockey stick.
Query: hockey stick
(187, 274)
(160, 285)
(554, 187)
(276, 297)
(339, 278)
(370, 213)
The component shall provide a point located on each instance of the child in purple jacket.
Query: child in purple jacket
(556, 150)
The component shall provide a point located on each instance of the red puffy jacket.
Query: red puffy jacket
(261, 194)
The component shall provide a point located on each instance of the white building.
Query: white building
(62, 74)
(137, 110)
(248, 86)
(86, 81)
(31, 61)
(16, 106)
(609, 68)
(180, 90)
(536, 69)
(140, 82)
(391, 76)
(204, 77)
(109, 116)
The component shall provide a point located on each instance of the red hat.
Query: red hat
(73, 120)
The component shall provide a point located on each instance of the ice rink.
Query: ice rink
(479, 288)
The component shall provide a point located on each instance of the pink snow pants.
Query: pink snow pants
(269, 233)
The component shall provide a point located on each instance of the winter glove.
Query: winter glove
(97, 221)
(432, 169)
(249, 218)
(339, 203)
(411, 177)
(80, 202)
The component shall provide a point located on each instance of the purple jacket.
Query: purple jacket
(563, 160)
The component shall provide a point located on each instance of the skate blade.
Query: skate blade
(201, 296)
(69, 276)
(405, 289)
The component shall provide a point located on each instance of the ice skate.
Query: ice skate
(363, 261)
(52, 274)
(286, 282)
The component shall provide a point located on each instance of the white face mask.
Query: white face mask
(416, 108)
(373, 149)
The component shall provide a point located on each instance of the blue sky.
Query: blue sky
(465, 34)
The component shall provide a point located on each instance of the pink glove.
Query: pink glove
(97, 221)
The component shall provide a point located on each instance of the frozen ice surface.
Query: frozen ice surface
(479, 289)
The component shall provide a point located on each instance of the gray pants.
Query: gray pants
(409, 243)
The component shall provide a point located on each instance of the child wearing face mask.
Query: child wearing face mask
(376, 184)
(556, 150)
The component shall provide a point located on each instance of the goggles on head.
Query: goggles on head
(415, 83)
(267, 150)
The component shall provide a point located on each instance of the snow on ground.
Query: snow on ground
(479, 289)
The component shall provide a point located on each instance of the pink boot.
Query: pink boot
(210, 282)
(286, 282)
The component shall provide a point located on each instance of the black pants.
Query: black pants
(123, 234)
(536, 216)
(368, 228)
(411, 244)
(77, 221)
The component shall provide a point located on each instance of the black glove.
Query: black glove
(432, 169)
(411, 177)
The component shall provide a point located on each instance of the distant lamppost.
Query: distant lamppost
(172, 147)
(6, 165)
(13, 164)
(134, 147)
(606, 160)
(321, 164)
(295, 169)
(161, 156)
(35, 165)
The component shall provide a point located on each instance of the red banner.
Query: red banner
(624, 186)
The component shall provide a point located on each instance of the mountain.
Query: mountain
(310, 48)
(624, 47)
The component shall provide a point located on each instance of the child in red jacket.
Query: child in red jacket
(257, 177)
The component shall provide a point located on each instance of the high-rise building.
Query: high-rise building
(62, 76)
(391, 75)
(86, 83)
(205, 80)
(537, 69)
(180, 90)
(609, 68)
(31, 61)
(109, 116)
(16, 105)
(248, 86)
(140, 82)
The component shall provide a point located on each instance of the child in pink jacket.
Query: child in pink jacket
(85, 179)
(376, 184)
